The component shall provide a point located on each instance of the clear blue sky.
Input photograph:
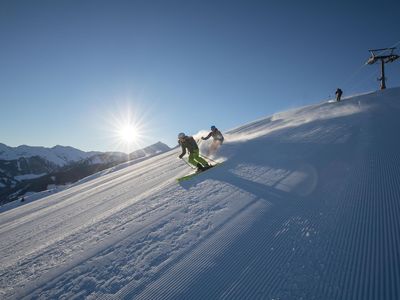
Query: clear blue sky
(69, 70)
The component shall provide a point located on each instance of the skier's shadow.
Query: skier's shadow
(261, 191)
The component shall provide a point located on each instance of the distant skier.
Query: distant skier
(338, 94)
(218, 139)
(188, 142)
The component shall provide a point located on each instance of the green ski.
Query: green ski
(190, 176)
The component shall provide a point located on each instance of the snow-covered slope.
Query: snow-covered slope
(305, 206)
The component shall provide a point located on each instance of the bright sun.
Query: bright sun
(128, 133)
(127, 128)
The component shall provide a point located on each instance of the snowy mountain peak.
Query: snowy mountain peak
(63, 155)
(26, 169)
(57, 155)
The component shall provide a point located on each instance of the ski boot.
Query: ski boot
(200, 168)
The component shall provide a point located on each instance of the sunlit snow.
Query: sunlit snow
(305, 205)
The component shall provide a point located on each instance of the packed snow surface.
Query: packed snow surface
(306, 205)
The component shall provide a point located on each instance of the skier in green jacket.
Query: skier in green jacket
(188, 142)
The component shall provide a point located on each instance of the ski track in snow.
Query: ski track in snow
(306, 206)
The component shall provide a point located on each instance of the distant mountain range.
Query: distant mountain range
(58, 155)
(26, 169)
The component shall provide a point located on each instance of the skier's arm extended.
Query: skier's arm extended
(183, 150)
(207, 137)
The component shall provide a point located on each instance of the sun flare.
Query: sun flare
(128, 129)
(128, 133)
(127, 126)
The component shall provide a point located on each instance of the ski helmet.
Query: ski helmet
(213, 127)
(181, 135)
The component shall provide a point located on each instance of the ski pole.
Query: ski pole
(188, 164)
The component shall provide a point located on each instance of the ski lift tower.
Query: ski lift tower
(375, 56)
